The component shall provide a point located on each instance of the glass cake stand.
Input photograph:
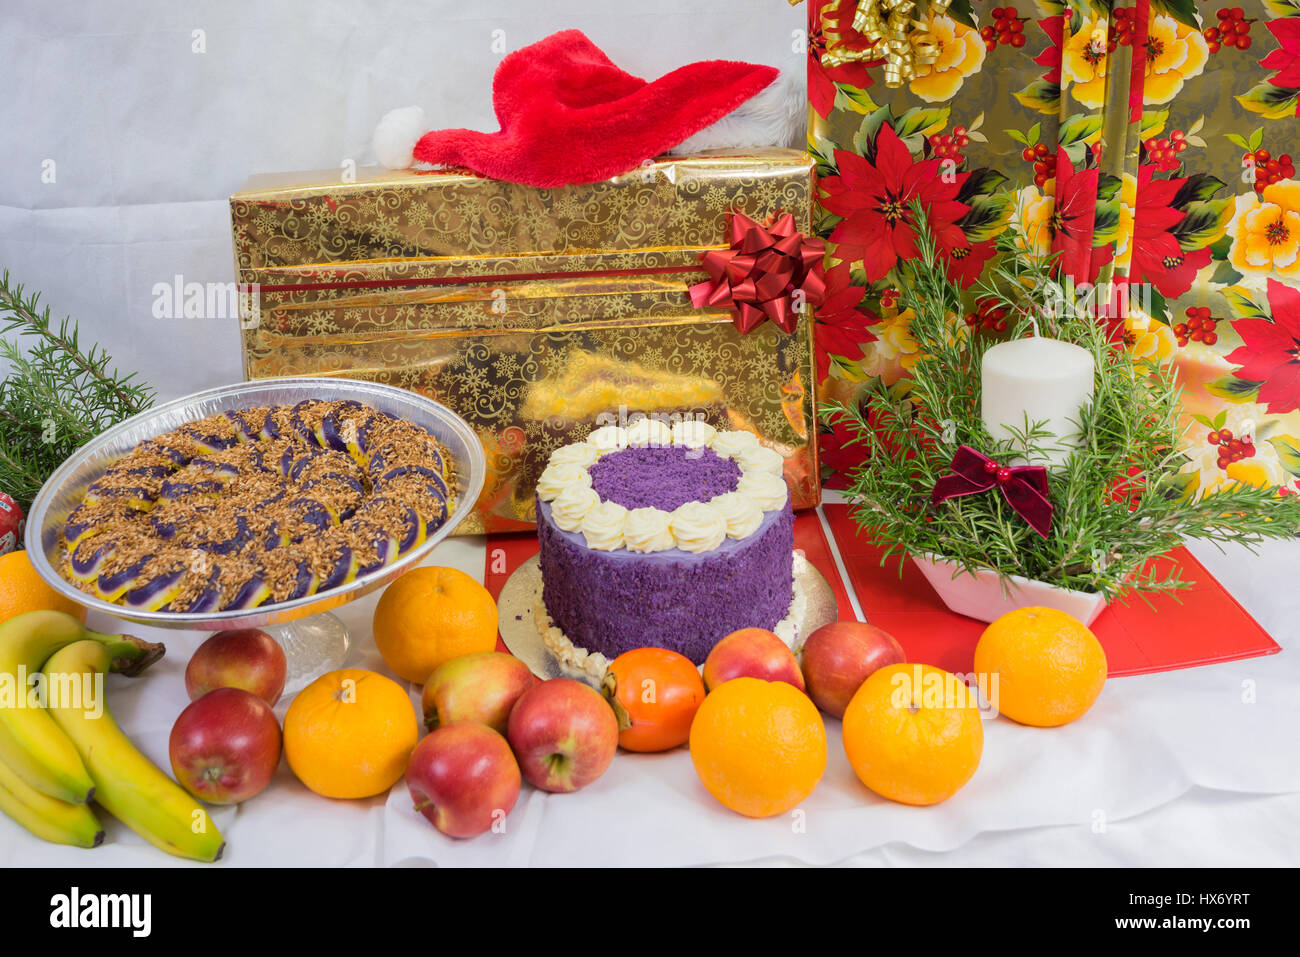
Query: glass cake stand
(314, 641)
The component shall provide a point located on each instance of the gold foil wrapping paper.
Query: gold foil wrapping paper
(529, 312)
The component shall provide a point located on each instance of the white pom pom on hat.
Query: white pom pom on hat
(396, 136)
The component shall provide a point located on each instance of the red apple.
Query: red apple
(564, 734)
(226, 746)
(481, 688)
(838, 657)
(246, 658)
(463, 778)
(751, 653)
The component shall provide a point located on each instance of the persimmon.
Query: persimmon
(655, 694)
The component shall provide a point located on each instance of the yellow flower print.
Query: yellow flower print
(1031, 220)
(894, 352)
(1084, 62)
(1265, 231)
(1128, 188)
(1149, 338)
(1175, 53)
(961, 54)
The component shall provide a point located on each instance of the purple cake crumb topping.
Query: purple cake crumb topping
(664, 478)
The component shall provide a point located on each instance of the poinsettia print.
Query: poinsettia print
(1270, 354)
(873, 196)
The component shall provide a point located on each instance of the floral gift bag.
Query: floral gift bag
(1152, 145)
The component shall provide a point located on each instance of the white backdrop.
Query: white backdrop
(147, 114)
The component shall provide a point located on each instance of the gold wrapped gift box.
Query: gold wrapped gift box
(529, 312)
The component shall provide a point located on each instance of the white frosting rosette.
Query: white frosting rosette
(649, 433)
(646, 530)
(572, 505)
(730, 444)
(576, 453)
(602, 527)
(740, 512)
(556, 478)
(610, 438)
(693, 433)
(760, 459)
(769, 492)
(697, 527)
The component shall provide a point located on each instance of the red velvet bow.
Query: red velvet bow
(1024, 486)
(759, 274)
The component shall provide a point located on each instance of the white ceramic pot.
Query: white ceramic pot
(983, 597)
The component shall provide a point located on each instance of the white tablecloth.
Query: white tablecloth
(1175, 768)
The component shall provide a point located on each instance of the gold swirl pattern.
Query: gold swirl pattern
(529, 312)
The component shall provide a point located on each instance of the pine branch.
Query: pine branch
(55, 395)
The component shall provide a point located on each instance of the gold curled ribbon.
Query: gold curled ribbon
(891, 34)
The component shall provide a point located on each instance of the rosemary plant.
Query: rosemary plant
(1120, 502)
(55, 395)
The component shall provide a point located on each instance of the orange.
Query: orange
(913, 733)
(349, 733)
(21, 589)
(758, 746)
(1049, 666)
(431, 615)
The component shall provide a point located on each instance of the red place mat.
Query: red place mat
(506, 552)
(1206, 627)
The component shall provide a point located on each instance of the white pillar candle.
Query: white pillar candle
(1040, 380)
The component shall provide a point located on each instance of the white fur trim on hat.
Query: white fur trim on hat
(775, 116)
(396, 136)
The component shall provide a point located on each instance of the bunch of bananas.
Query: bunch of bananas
(59, 751)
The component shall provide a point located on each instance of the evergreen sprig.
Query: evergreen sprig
(55, 395)
(1120, 500)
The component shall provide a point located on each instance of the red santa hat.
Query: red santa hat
(569, 115)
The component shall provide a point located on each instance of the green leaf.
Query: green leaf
(1105, 227)
(1017, 136)
(1256, 139)
(915, 143)
(1236, 140)
(1041, 96)
(1283, 8)
(960, 10)
(1233, 389)
(1204, 420)
(1184, 11)
(823, 151)
(1242, 306)
(1077, 152)
(1288, 452)
(1199, 186)
(988, 216)
(853, 98)
(1220, 420)
(982, 180)
(924, 120)
(1107, 186)
(1079, 128)
(1269, 101)
(976, 123)
(864, 140)
(1153, 123)
(1035, 132)
(1225, 274)
(1203, 224)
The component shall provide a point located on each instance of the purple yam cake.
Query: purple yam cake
(673, 543)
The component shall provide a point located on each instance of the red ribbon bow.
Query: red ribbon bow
(759, 274)
(1024, 486)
